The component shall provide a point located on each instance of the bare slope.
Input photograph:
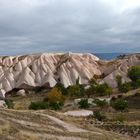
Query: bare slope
(23, 125)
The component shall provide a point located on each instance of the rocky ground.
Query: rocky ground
(47, 125)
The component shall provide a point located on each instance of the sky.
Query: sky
(30, 26)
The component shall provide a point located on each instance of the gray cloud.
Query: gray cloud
(67, 25)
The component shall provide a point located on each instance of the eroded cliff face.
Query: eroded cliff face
(119, 67)
(46, 69)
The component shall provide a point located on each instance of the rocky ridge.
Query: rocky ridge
(46, 69)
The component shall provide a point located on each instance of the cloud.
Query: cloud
(69, 25)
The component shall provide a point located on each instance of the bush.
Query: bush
(134, 73)
(83, 104)
(99, 116)
(92, 82)
(55, 106)
(119, 80)
(62, 89)
(55, 96)
(9, 103)
(100, 103)
(120, 105)
(44, 105)
(76, 90)
(90, 91)
(135, 84)
(103, 89)
(125, 87)
(54, 101)
(38, 105)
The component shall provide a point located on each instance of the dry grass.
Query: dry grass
(36, 125)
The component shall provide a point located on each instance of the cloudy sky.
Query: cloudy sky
(28, 26)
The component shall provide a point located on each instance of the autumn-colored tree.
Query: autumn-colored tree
(55, 96)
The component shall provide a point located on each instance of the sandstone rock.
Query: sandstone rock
(2, 93)
(46, 69)
(38, 70)
(21, 92)
(3, 104)
(119, 67)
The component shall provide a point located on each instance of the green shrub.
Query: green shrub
(76, 90)
(120, 105)
(45, 105)
(38, 105)
(54, 101)
(100, 103)
(90, 91)
(135, 84)
(9, 103)
(83, 104)
(103, 90)
(125, 87)
(62, 89)
(99, 116)
(134, 73)
(55, 106)
(119, 80)
(93, 82)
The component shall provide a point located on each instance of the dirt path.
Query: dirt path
(67, 126)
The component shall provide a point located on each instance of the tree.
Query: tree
(120, 105)
(135, 84)
(119, 80)
(78, 81)
(61, 87)
(76, 90)
(93, 82)
(84, 104)
(125, 87)
(103, 89)
(55, 96)
(134, 73)
(90, 91)
(100, 103)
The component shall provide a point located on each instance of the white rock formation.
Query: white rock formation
(79, 113)
(21, 92)
(45, 69)
(119, 67)
(42, 69)
(3, 104)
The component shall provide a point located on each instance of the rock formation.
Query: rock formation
(119, 67)
(25, 72)
(38, 70)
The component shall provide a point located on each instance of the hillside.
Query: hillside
(46, 70)
(48, 125)
(37, 70)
